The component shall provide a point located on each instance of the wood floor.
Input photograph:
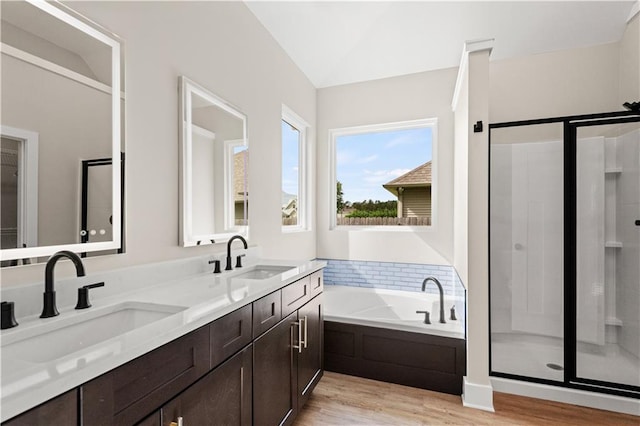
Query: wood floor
(347, 400)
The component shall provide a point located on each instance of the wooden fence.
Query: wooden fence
(383, 221)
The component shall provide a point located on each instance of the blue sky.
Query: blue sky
(290, 155)
(364, 162)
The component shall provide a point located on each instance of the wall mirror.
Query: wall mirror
(214, 167)
(62, 140)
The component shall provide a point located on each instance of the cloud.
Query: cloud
(382, 176)
(343, 157)
(368, 159)
(405, 139)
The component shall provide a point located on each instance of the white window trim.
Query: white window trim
(371, 128)
(302, 126)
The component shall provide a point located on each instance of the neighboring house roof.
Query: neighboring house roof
(240, 159)
(418, 177)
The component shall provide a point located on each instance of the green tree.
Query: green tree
(339, 197)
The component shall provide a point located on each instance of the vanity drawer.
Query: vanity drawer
(316, 282)
(295, 295)
(229, 334)
(131, 392)
(267, 312)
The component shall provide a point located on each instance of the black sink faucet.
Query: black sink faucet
(235, 237)
(49, 309)
(435, 280)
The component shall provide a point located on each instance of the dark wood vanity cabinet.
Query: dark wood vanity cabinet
(222, 397)
(310, 360)
(126, 395)
(256, 365)
(275, 374)
(287, 365)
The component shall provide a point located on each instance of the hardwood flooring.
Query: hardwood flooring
(346, 400)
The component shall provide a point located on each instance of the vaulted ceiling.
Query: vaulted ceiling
(344, 42)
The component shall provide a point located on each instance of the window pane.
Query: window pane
(240, 166)
(290, 173)
(384, 178)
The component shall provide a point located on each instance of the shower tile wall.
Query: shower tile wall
(391, 275)
(628, 264)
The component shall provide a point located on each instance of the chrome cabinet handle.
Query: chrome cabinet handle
(299, 345)
(178, 423)
(305, 332)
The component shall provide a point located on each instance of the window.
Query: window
(294, 135)
(383, 174)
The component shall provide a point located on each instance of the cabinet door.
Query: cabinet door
(222, 397)
(275, 374)
(310, 360)
(62, 411)
(132, 391)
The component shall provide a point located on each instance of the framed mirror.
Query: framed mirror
(62, 105)
(214, 167)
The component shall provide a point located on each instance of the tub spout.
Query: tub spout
(435, 280)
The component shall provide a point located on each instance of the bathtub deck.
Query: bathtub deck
(413, 359)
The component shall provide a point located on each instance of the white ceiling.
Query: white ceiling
(344, 42)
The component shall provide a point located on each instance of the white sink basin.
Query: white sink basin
(262, 272)
(73, 333)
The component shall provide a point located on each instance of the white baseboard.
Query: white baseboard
(477, 396)
(569, 396)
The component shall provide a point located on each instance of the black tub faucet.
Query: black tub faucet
(235, 237)
(49, 309)
(435, 280)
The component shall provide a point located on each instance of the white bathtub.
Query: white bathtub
(393, 309)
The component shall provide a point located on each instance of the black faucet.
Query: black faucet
(435, 280)
(235, 237)
(49, 309)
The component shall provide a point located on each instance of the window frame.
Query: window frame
(383, 127)
(301, 125)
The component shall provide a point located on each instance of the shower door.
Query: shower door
(564, 251)
(607, 255)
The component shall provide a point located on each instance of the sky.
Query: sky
(290, 154)
(364, 162)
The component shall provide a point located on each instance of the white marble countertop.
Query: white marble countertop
(200, 298)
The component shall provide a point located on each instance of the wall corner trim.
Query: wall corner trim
(477, 396)
(635, 9)
(469, 47)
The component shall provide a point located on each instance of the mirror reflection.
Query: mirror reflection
(61, 111)
(215, 164)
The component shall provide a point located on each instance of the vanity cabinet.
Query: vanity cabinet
(310, 359)
(287, 364)
(255, 365)
(62, 410)
(129, 393)
(275, 374)
(222, 397)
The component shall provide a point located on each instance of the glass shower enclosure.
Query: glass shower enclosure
(565, 251)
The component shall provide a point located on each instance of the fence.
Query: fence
(383, 221)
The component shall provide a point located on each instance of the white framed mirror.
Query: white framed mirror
(62, 103)
(214, 166)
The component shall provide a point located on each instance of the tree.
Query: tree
(339, 197)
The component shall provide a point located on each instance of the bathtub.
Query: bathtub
(393, 309)
(377, 334)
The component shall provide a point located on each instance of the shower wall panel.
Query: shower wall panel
(628, 262)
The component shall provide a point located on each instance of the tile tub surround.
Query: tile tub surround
(392, 275)
(185, 283)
